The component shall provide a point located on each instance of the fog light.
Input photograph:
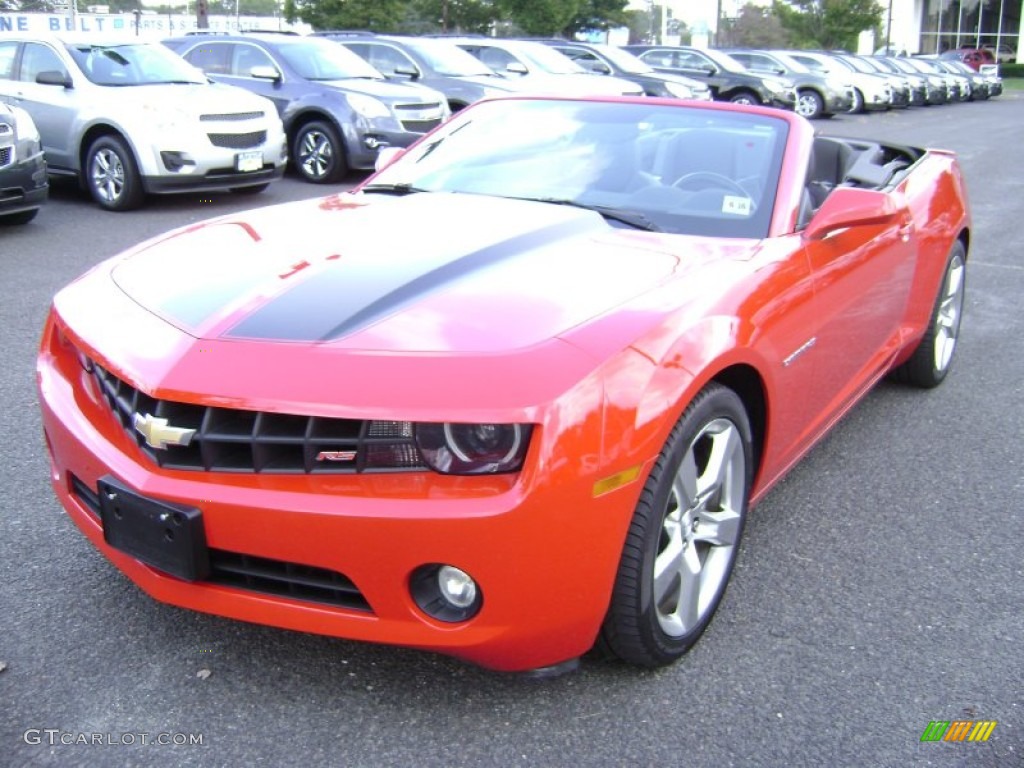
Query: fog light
(445, 592)
(176, 161)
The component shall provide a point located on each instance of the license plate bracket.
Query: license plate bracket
(247, 162)
(168, 537)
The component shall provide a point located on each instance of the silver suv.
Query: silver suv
(129, 118)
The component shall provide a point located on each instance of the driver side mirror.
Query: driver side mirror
(847, 207)
(54, 77)
(516, 68)
(265, 72)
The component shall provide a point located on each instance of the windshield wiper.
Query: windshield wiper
(634, 219)
(393, 189)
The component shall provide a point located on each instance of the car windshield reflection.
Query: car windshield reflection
(662, 168)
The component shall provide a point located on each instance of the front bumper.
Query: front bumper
(541, 547)
(23, 185)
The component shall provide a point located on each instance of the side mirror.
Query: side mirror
(53, 77)
(600, 68)
(406, 71)
(265, 72)
(516, 68)
(847, 207)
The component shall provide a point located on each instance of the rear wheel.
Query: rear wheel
(933, 358)
(112, 175)
(319, 154)
(858, 101)
(685, 532)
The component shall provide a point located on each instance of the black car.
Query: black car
(818, 95)
(610, 60)
(337, 110)
(23, 184)
(438, 64)
(726, 77)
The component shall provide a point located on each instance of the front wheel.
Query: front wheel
(744, 97)
(685, 532)
(319, 154)
(809, 104)
(933, 357)
(112, 175)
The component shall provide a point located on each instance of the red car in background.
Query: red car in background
(975, 58)
(515, 395)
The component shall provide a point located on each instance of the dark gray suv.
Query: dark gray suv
(338, 111)
(438, 64)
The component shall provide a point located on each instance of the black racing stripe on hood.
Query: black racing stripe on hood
(349, 297)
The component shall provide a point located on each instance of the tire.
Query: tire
(255, 189)
(745, 97)
(318, 153)
(652, 620)
(809, 104)
(112, 175)
(21, 217)
(858, 102)
(928, 365)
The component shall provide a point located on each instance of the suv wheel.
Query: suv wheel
(112, 175)
(319, 154)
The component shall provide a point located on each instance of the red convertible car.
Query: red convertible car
(513, 397)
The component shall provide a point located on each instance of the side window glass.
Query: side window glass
(38, 58)
(7, 51)
(248, 56)
(496, 59)
(211, 59)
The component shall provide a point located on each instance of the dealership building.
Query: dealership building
(914, 26)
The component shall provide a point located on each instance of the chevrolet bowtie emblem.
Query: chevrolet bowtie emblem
(159, 434)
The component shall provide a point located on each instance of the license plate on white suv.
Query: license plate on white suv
(249, 161)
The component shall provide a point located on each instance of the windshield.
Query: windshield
(859, 65)
(547, 59)
(677, 169)
(133, 64)
(624, 60)
(319, 59)
(448, 59)
(724, 60)
(792, 64)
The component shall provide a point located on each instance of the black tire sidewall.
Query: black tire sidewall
(338, 167)
(131, 193)
(638, 637)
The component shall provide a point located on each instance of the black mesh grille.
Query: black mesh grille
(232, 440)
(420, 126)
(6, 156)
(261, 574)
(231, 117)
(238, 140)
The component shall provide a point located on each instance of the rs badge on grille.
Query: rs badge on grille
(158, 433)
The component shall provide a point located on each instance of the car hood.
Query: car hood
(385, 90)
(190, 98)
(426, 272)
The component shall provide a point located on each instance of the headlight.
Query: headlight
(473, 449)
(679, 90)
(367, 106)
(24, 128)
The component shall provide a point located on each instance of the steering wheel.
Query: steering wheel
(716, 180)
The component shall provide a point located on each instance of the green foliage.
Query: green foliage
(597, 14)
(755, 27)
(470, 16)
(376, 15)
(1011, 70)
(828, 24)
(541, 18)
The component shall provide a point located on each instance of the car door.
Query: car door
(53, 108)
(862, 277)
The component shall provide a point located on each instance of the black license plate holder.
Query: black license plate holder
(168, 537)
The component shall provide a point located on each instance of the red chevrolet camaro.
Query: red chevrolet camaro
(513, 397)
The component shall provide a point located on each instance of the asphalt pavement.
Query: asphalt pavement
(879, 587)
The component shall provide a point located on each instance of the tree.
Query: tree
(828, 24)
(375, 15)
(756, 27)
(597, 15)
(470, 16)
(542, 18)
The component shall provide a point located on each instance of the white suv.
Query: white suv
(128, 117)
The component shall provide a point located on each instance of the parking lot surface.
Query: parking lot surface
(880, 587)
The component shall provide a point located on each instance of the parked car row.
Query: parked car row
(215, 112)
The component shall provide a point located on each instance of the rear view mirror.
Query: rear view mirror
(847, 207)
(54, 77)
(265, 72)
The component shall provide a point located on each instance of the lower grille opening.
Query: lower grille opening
(295, 581)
